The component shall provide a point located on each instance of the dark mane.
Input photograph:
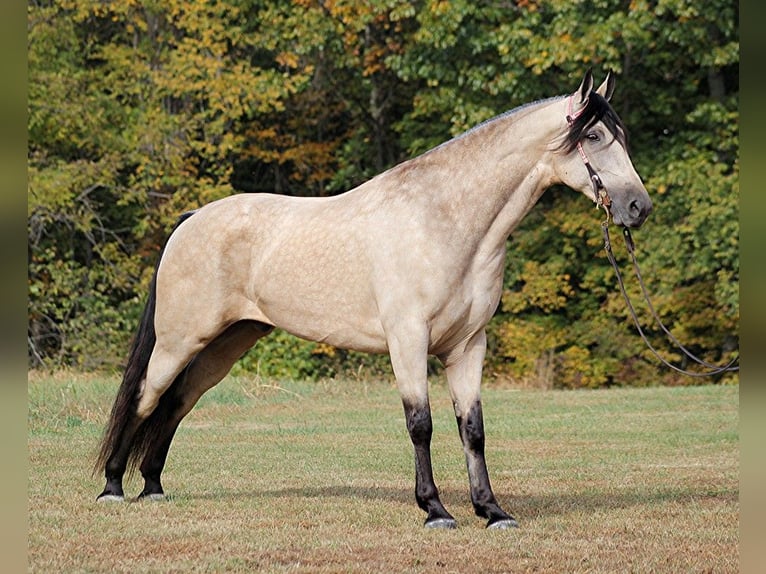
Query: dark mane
(597, 109)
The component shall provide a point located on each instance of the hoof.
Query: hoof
(110, 498)
(155, 496)
(503, 524)
(443, 523)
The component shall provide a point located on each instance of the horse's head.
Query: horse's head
(594, 158)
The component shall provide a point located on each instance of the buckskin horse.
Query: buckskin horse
(409, 263)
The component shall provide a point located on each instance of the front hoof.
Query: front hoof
(107, 497)
(503, 524)
(154, 497)
(442, 523)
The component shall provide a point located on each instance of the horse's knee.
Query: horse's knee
(472, 428)
(419, 423)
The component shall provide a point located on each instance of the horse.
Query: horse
(409, 263)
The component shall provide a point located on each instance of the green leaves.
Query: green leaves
(135, 114)
(139, 111)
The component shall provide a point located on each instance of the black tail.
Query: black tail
(125, 403)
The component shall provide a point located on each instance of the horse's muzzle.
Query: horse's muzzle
(634, 213)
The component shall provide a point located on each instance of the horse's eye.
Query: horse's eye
(592, 136)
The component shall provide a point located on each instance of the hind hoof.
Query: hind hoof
(503, 524)
(110, 498)
(441, 523)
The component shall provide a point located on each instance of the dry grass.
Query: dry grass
(292, 477)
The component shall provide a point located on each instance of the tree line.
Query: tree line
(142, 110)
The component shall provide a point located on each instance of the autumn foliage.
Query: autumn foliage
(139, 111)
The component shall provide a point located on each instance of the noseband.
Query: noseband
(600, 195)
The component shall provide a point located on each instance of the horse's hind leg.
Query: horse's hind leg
(205, 370)
(162, 369)
(464, 378)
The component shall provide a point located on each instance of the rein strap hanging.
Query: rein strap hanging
(630, 245)
(602, 199)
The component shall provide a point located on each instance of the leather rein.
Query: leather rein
(602, 199)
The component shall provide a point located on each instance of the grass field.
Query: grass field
(298, 477)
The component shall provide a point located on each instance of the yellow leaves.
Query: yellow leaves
(536, 354)
(527, 344)
(311, 162)
(577, 369)
(287, 59)
(114, 10)
(543, 289)
(374, 60)
(351, 14)
(439, 7)
(324, 349)
(529, 5)
(528, 339)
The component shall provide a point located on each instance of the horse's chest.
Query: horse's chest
(480, 300)
(469, 306)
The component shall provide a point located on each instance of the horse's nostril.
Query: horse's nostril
(638, 211)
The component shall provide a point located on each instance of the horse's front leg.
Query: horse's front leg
(409, 361)
(464, 368)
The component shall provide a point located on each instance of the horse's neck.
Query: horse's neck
(499, 171)
(477, 187)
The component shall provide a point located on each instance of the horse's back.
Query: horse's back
(294, 263)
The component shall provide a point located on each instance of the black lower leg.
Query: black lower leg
(117, 463)
(165, 420)
(420, 428)
(484, 503)
(154, 461)
(113, 489)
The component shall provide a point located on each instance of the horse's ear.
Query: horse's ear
(586, 86)
(607, 88)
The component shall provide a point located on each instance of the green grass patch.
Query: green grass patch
(280, 476)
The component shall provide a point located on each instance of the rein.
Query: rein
(602, 199)
(713, 369)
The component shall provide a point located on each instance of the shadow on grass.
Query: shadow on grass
(524, 508)
(340, 491)
(529, 508)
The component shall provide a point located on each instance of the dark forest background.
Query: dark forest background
(139, 111)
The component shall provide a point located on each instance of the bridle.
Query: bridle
(600, 195)
(602, 199)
